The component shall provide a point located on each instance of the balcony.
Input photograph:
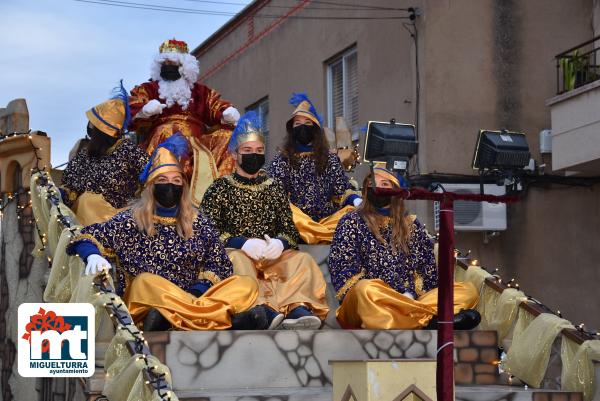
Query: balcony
(575, 111)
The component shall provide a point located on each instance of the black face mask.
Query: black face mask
(168, 195)
(304, 134)
(378, 200)
(252, 162)
(99, 142)
(170, 72)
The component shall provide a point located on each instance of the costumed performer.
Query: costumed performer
(173, 101)
(252, 212)
(102, 178)
(383, 267)
(313, 177)
(170, 265)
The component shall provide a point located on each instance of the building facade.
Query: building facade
(460, 66)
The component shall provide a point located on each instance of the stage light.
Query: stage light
(390, 142)
(501, 150)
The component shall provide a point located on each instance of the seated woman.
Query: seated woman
(313, 177)
(383, 267)
(102, 179)
(171, 266)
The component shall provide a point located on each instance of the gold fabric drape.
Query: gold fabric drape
(317, 232)
(211, 311)
(499, 310)
(528, 355)
(372, 304)
(92, 208)
(292, 280)
(578, 368)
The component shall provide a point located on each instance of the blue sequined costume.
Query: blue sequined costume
(114, 175)
(357, 254)
(165, 253)
(316, 195)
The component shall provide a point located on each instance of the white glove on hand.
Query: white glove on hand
(274, 248)
(409, 295)
(357, 202)
(230, 116)
(254, 248)
(95, 264)
(151, 108)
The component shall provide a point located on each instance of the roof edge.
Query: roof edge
(229, 26)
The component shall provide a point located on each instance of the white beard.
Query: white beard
(175, 92)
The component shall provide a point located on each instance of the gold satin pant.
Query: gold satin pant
(292, 280)
(92, 208)
(211, 311)
(372, 304)
(315, 232)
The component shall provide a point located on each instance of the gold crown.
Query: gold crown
(108, 117)
(173, 46)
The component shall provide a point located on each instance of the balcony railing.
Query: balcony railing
(578, 66)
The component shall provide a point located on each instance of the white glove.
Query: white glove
(254, 248)
(95, 264)
(230, 116)
(357, 202)
(274, 248)
(409, 295)
(151, 108)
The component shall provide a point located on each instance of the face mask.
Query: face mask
(378, 200)
(304, 134)
(99, 142)
(170, 72)
(252, 162)
(168, 195)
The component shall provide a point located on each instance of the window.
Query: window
(262, 109)
(342, 91)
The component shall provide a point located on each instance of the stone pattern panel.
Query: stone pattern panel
(300, 359)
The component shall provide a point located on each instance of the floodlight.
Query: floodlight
(501, 150)
(390, 142)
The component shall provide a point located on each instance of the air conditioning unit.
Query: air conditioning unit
(475, 216)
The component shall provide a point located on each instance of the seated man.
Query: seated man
(383, 267)
(252, 212)
(313, 177)
(167, 255)
(101, 179)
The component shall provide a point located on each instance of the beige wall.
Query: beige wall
(484, 64)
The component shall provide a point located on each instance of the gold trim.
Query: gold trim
(349, 284)
(289, 239)
(115, 146)
(418, 284)
(89, 237)
(224, 237)
(166, 221)
(208, 275)
(347, 194)
(303, 154)
(255, 187)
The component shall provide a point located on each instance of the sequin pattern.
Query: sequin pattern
(355, 249)
(114, 176)
(314, 194)
(165, 253)
(251, 209)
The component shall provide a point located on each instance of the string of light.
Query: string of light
(116, 309)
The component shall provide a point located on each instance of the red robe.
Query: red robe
(204, 110)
